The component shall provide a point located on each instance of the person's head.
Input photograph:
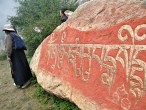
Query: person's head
(8, 28)
(62, 12)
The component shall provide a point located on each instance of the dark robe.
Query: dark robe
(20, 67)
(64, 18)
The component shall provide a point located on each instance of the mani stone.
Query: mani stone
(97, 58)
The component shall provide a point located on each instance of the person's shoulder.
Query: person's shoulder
(66, 17)
(13, 34)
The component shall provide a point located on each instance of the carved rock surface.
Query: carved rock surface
(97, 58)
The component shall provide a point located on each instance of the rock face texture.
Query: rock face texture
(97, 58)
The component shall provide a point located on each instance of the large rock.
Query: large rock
(97, 58)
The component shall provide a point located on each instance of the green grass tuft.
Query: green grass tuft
(54, 102)
(3, 55)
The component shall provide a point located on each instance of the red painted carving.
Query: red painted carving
(107, 65)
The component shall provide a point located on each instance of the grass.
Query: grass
(3, 55)
(54, 102)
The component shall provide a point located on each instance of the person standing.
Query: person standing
(20, 69)
(63, 15)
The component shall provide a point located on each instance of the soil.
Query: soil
(12, 98)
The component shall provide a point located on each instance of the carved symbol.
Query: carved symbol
(133, 33)
(129, 29)
(120, 96)
(125, 104)
(140, 38)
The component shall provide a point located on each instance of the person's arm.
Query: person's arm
(8, 45)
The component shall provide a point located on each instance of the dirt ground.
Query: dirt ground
(12, 98)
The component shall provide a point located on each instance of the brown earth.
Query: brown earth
(12, 98)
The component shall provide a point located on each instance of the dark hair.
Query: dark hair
(63, 10)
(6, 31)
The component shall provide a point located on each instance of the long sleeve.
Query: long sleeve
(8, 45)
